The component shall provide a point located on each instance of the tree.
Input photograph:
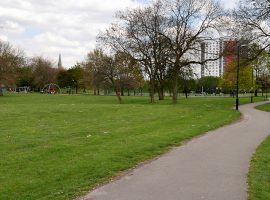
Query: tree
(138, 34)
(129, 72)
(63, 78)
(261, 68)
(208, 83)
(188, 21)
(253, 18)
(11, 59)
(73, 77)
(228, 81)
(76, 77)
(24, 77)
(91, 67)
(43, 72)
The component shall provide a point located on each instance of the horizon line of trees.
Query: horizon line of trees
(155, 47)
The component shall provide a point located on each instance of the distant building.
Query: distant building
(212, 50)
(60, 66)
(222, 51)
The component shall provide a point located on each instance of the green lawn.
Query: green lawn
(259, 173)
(60, 146)
(265, 107)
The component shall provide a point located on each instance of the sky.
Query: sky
(50, 27)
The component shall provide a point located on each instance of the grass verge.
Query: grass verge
(259, 173)
(264, 107)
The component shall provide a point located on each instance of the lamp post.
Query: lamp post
(237, 74)
(252, 77)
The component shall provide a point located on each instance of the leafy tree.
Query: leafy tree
(91, 66)
(25, 77)
(209, 84)
(228, 81)
(73, 77)
(130, 75)
(261, 67)
(76, 77)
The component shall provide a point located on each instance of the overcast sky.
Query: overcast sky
(49, 27)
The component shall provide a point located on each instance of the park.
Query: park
(135, 100)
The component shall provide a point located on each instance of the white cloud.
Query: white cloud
(49, 27)
(3, 38)
(69, 27)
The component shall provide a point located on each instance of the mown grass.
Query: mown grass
(264, 107)
(259, 173)
(61, 146)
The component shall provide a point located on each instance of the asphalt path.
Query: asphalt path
(211, 167)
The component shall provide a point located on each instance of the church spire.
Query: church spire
(60, 62)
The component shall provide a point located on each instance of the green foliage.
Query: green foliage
(228, 81)
(60, 146)
(72, 77)
(209, 84)
(259, 173)
(25, 77)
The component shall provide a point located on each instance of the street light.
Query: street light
(252, 90)
(237, 74)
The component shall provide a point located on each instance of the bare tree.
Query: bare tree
(137, 34)
(43, 72)
(189, 22)
(10, 60)
(253, 20)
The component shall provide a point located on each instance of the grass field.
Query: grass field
(259, 173)
(265, 107)
(60, 146)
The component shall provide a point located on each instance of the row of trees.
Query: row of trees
(98, 71)
(157, 44)
(163, 38)
(17, 70)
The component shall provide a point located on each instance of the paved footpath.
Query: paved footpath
(211, 167)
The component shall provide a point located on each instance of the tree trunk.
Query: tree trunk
(128, 92)
(186, 93)
(134, 92)
(118, 95)
(122, 92)
(175, 90)
(1, 92)
(152, 91)
(98, 91)
(161, 93)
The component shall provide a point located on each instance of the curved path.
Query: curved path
(211, 167)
